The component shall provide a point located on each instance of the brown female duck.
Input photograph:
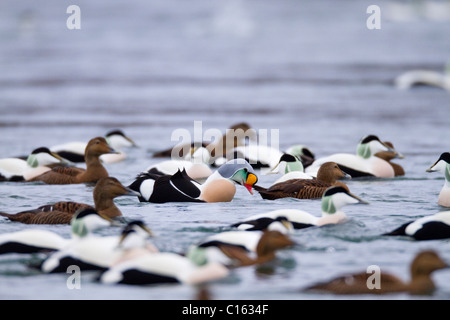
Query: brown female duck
(62, 212)
(219, 148)
(421, 282)
(269, 243)
(327, 177)
(70, 175)
(239, 248)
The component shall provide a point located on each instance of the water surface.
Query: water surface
(312, 70)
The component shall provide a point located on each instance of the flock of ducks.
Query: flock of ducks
(207, 173)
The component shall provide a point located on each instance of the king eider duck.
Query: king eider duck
(62, 212)
(421, 283)
(70, 175)
(364, 163)
(74, 151)
(443, 165)
(196, 165)
(39, 161)
(93, 252)
(333, 200)
(239, 248)
(219, 187)
(291, 168)
(31, 241)
(327, 177)
(36, 240)
(434, 227)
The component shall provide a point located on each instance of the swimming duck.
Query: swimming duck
(238, 248)
(196, 166)
(163, 267)
(443, 165)
(139, 264)
(291, 168)
(218, 149)
(37, 240)
(388, 156)
(93, 252)
(234, 137)
(39, 161)
(278, 223)
(158, 188)
(75, 151)
(219, 187)
(421, 283)
(436, 226)
(70, 175)
(134, 243)
(364, 163)
(302, 152)
(327, 176)
(333, 200)
(62, 212)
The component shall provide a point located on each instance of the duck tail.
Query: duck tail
(264, 193)
(8, 215)
(398, 232)
(259, 188)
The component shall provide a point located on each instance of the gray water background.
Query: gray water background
(311, 69)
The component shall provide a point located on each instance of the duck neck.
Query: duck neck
(331, 213)
(32, 161)
(105, 205)
(328, 207)
(363, 151)
(79, 230)
(294, 166)
(94, 168)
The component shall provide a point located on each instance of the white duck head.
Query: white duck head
(334, 198)
(85, 221)
(118, 140)
(43, 156)
(288, 163)
(370, 145)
